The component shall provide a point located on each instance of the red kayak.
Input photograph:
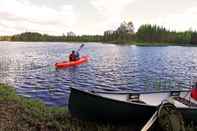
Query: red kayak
(65, 64)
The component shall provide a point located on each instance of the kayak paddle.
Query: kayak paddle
(81, 46)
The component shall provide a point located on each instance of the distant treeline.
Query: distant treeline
(123, 34)
(151, 34)
(157, 34)
(33, 36)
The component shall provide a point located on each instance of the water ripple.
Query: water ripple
(29, 67)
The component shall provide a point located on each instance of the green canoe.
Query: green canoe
(127, 106)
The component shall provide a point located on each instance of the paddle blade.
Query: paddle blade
(81, 46)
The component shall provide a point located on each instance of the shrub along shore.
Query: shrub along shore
(19, 113)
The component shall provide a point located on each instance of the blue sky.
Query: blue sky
(93, 16)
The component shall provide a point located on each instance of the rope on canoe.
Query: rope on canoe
(169, 118)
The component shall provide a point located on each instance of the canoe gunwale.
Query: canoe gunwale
(94, 93)
(135, 92)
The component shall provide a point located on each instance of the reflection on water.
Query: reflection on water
(29, 67)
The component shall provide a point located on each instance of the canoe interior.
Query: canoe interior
(152, 99)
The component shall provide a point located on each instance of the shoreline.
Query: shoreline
(20, 113)
(115, 43)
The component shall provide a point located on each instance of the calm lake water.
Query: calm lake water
(29, 67)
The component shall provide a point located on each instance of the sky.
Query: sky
(56, 17)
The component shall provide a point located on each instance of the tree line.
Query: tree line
(123, 34)
(149, 34)
(158, 34)
(34, 36)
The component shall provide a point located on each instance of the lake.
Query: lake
(29, 67)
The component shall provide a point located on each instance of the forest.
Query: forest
(146, 34)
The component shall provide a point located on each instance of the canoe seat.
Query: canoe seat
(175, 93)
(134, 98)
(185, 101)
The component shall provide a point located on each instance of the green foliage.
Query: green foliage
(156, 34)
(5, 38)
(194, 38)
(27, 36)
(153, 33)
(7, 93)
(30, 36)
(183, 37)
(124, 34)
(146, 35)
(19, 113)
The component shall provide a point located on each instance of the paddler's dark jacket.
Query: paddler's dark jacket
(72, 57)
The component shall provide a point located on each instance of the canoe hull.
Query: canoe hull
(89, 106)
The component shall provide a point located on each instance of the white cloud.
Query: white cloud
(112, 11)
(23, 16)
(181, 21)
(110, 7)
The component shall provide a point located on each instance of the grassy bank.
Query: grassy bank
(19, 113)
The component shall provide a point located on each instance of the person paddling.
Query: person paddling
(75, 54)
(194, 92)
(72, 56)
